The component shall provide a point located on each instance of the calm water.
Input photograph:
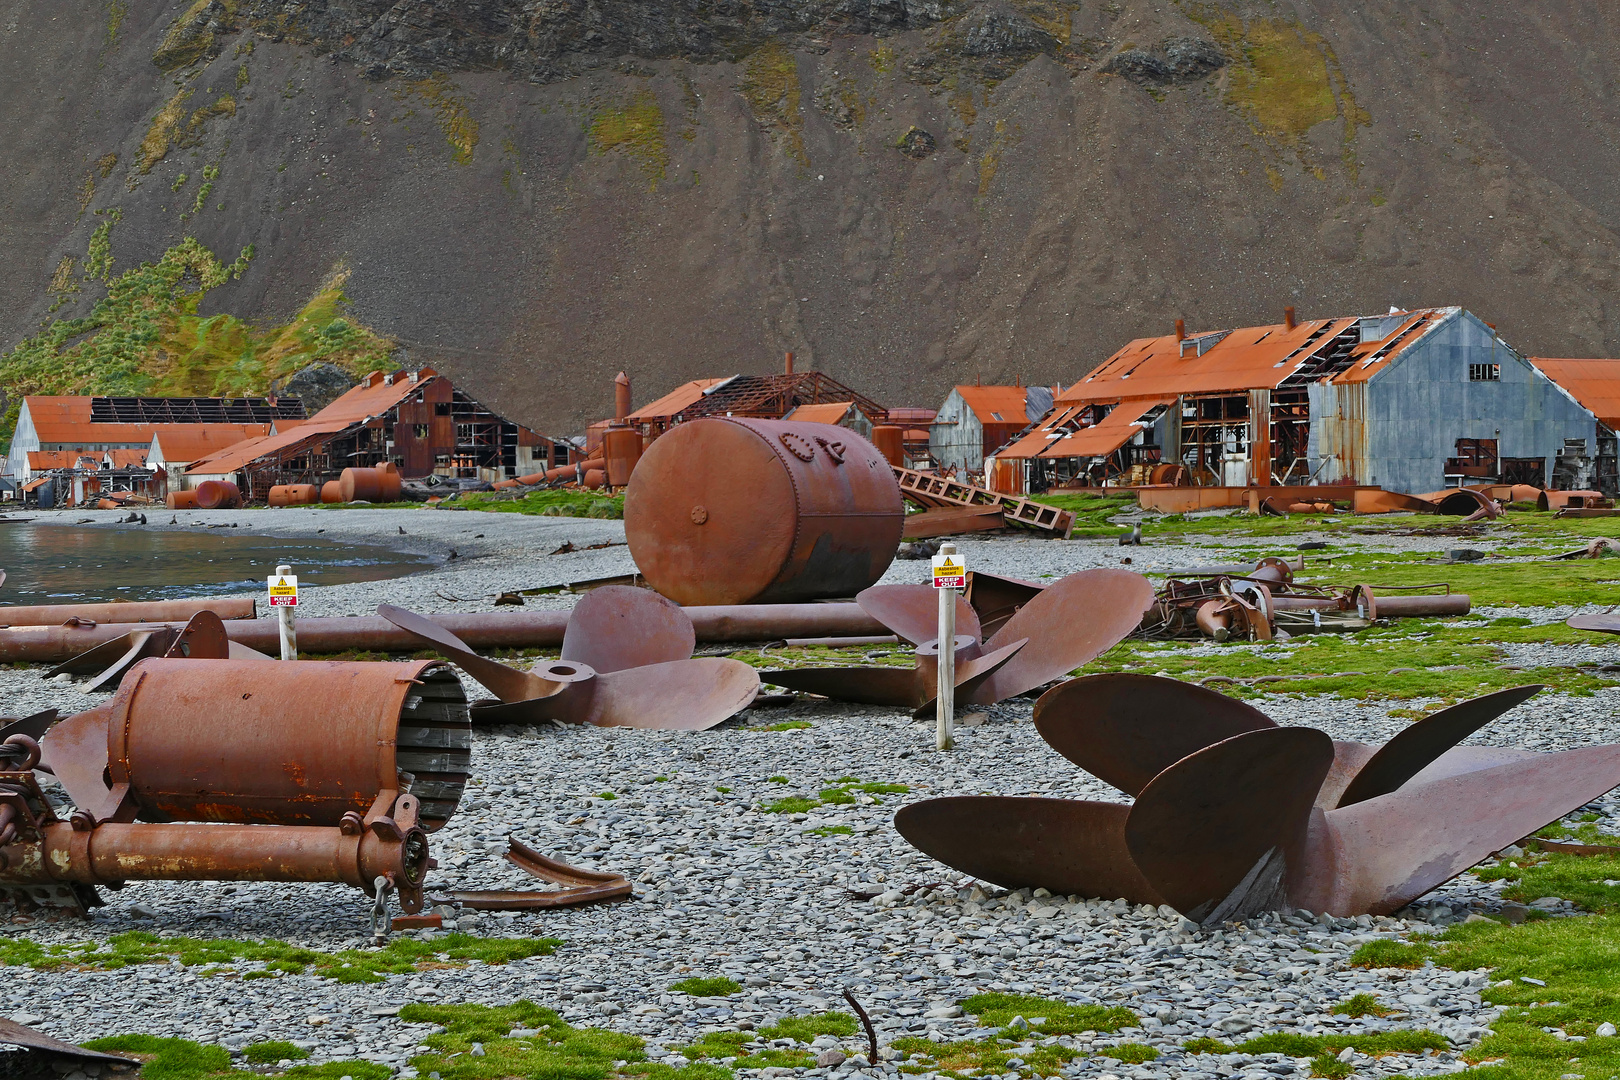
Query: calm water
(52, 564)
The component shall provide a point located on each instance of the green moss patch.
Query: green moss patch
(842, 794)
(716, 986)
(1282, 1042)
(1046, 1015)
(770, 83)
(269, 957)
(586, 504)
(635, 129)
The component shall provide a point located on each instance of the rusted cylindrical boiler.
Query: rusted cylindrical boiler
(369, 485)
(729, 511)
(181, 500)
(293, 495)
(890, 440)
(621, 449)
(332, 492)
(218, 495)
(594, 479)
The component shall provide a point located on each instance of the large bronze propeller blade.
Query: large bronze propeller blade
(616, 627)
(912, 611)
(508, 684)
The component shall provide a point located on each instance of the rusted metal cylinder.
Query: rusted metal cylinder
(1403, 607)
(332, 492)
(269, 743)
(594, 478)
(157, 611)
(570, 472)
(218, 495)
(732, 511)
(532, 479)
(487, 630)
(890, 441)
(502, 485)
(621, 396)
(381, 484)
(181, 500)
(293, 495)
(621, 449)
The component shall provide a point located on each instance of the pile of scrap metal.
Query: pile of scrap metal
(1233, 815)
(37, 1055)
(207, 768)
(1037, 634)
(1256, 601)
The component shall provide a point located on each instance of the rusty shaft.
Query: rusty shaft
(226, 607)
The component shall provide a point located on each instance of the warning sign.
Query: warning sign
(950, 572)
(283, 590)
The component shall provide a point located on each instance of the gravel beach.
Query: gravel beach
(796, 907)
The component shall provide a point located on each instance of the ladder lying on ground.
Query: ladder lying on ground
(928, 490)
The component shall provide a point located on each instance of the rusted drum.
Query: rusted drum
(891, 443)
(181, 500)
(594, 478)
(331, 492)
(293, 495)
(218, 495)
(370, 485)
(271, 743)
(732, 511)
(621, 449)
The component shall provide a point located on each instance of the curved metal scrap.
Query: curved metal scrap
(202, 638)
(1466, 759)
(1348, 759)
(1201, 826)
(1398, 846)
(1126, 729)
(1422, 743)
(998, 598)
(34, 726)
(618, 626)
(898, 687)
(1603, 622)
(969, 674)
(508, 684)
(1071, 622)
(683, 695)
(75, 752)
(1064, 845)
(912, 611)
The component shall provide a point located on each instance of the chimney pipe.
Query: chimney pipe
(790, 363)
(621, 396)
(1288, 318)
(1181, 329)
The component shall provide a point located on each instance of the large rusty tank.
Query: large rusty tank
(218, 495)
(731, 511)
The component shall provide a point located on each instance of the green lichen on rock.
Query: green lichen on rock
(770, 83)
(191, 37)
(635, 129)
(460, 128)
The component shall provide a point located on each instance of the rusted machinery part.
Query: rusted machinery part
(1348, 760)
(970, 674)
(369, 485)
(1067, 846)
(1603, 622)
(479, 630)
(1463, 501)
(160, 611)
(186, 740)
(34, 725)
(1070, 623)
(203, 637)
(1202, 827)
(1421, 743)
(1126, 729)
(331, 492)
(1466, 759)
(506, 683)
(1422, 605)
(115, 852)
(15, 1034)
(1568, 847)
(912, 611)
(1293, 567)
(218, 495)
(1378, 855)
(1170, 474)
(579, 886)
(997, 598)
(726, 510)
(619, 626)
(838, 642)
(683, 695)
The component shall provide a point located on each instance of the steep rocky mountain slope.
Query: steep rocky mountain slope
(533, 194)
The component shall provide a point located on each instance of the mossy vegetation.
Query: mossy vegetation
(548, 503)
(844, 792)
(172, 128)
(269, 958)
(717, 986)
(190, 37)
(455, 120)
(1003, 136)
(771, 85)
(1283, 1042)
(1046, 1017)
(635, 129)
(147, 337)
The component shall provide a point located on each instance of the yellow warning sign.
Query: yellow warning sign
(283, 590)
(950, 572)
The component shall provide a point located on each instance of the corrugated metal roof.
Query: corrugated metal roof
(672, 403)
(180, 444)
(1250, 358)
(126, 457)
(237, 455)
(66, 421)
(995, 404)
(1059, 437)
(1593, 383)
(40, 460)
(831, 412)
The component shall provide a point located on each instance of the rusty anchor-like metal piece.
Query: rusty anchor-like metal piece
(202, 638)
(1235, 815)
(1042, 634)
(626, 662)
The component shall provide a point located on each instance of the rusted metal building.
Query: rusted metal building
(415, 419)
(1410, 401)
(976, 421)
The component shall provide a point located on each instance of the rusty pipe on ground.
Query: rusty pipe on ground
(1404, 607)
(481, 630)
(157, 611)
